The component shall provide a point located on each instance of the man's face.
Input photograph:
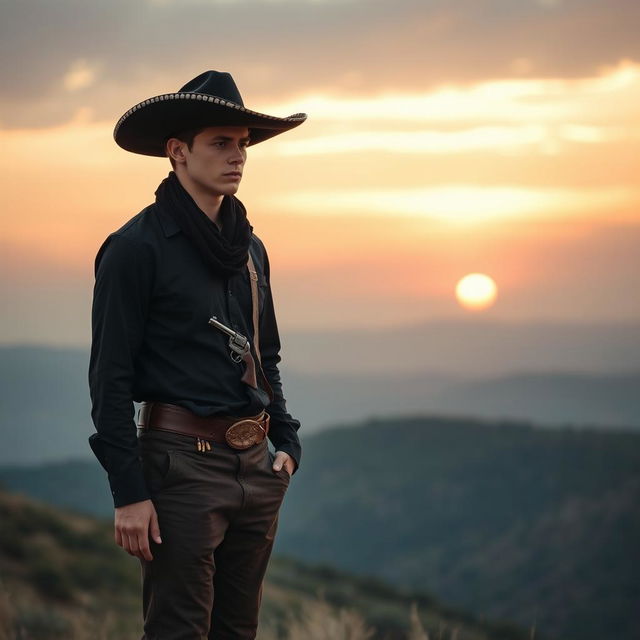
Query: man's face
(216, 159)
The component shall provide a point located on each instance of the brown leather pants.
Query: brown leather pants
(218, 514)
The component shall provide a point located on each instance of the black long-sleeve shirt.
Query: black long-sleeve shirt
(153, 298)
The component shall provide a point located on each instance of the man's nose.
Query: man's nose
(237, 157)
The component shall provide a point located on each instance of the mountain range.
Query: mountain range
(45, 410)
(471, 347)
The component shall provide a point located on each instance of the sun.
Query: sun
(476, 292)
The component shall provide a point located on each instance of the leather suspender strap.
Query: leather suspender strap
(255, 304)
(253, 277)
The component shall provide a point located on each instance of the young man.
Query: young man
(183, 321)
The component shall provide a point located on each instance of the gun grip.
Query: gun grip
(249, 375)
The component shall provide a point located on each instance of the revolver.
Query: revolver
(239, 350)
(238, 344)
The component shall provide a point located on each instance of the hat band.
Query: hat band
(205, 98)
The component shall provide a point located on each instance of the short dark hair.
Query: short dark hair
(187, 136)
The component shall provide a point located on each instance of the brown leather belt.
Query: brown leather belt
(239, 433)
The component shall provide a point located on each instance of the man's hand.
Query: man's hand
(283, 459)
(134, 523)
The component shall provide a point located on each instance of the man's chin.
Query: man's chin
(228, 189)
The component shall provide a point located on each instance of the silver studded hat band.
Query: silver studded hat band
(210, 99)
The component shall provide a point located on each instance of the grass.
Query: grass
(62, 577)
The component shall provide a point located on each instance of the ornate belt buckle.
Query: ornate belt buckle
(244, 434)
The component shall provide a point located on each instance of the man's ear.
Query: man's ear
(176, 150)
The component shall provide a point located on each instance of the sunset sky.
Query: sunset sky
(499, 137)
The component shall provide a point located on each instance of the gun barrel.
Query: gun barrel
(223, 327)
(239, 348)
(237, 342)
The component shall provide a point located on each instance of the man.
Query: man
(183, 321)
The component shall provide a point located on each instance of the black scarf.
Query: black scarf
(224, 252)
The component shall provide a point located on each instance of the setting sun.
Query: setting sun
(476, 291)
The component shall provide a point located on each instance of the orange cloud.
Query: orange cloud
(463, 203)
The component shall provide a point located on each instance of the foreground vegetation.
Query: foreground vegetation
(62, 577)
(505, 520)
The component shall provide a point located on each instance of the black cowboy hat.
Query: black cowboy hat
(210, 99)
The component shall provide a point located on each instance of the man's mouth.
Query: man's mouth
(233, 174)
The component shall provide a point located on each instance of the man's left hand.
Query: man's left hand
(283, 459)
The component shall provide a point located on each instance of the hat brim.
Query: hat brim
(146, 127)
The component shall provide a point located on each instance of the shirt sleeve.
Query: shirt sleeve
(283, 428)
(124, 278)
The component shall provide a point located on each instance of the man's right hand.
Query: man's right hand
(134, 524)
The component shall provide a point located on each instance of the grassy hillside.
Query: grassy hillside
(62, 577)
(538, 526)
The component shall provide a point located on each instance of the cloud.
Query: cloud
(533, 116)
(505, 139)
(465, 204)
(79, 76)
(517, 139)
(614, 89)
(282, 49)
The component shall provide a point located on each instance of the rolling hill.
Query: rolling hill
(63, 578)
(533, 525)
(508, 521)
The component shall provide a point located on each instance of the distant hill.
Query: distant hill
(532, 525)
(603, 401)
(597, 400)
(63, 578)
(79, 485)
(45, 410)
(473, 347)
(44, 404)
(511, 522)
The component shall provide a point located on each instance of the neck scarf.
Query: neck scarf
(224, 252)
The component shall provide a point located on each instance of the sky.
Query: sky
(499, 137)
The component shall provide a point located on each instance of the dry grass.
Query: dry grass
(5, 616)
(416, 631)
(25, 617)
(320, 621)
